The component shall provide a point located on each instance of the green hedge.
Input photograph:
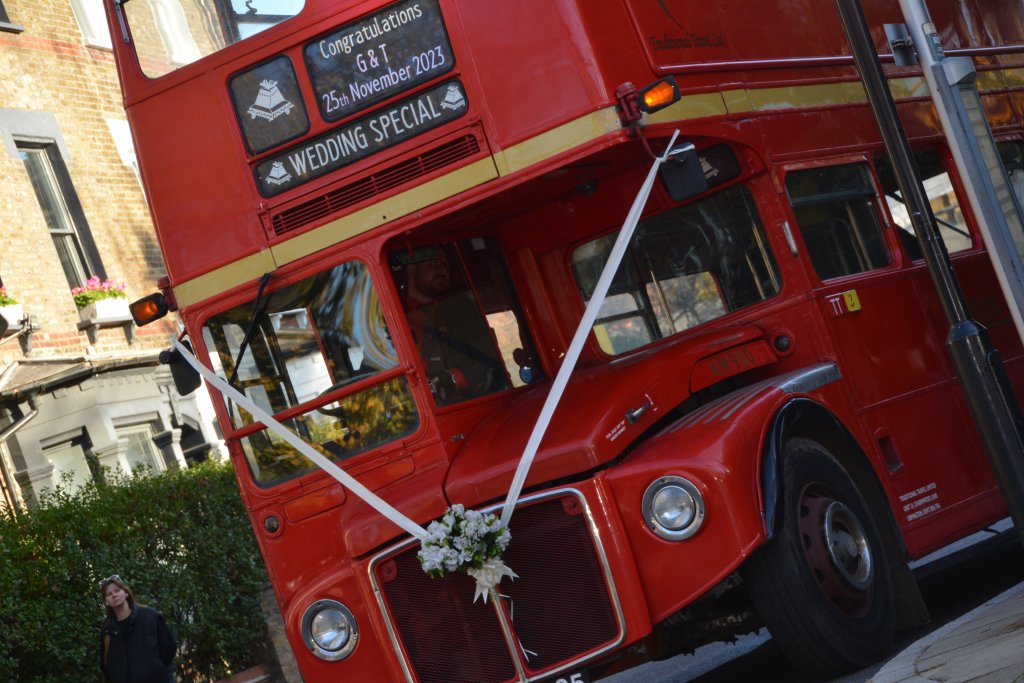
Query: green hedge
(180, 540)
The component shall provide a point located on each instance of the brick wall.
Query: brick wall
(46, 71)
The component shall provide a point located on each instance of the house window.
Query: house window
(92, 21)
(122, 135)
(70, 460)
(5, 21)
(141, 453)
(62, 211)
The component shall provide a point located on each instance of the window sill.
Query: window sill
(92, 327)
(11, 28)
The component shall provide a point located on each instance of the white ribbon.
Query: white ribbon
(346, 479)
(582, 332)
(488, 576)
(491, 574)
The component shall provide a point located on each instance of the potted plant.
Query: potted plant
(101, 299)
(10, 309)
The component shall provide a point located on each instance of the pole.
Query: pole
(951, 82)
(982, 376)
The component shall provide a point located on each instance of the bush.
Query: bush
(182, 542)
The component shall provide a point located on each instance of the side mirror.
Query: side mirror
(522, 359)
(682, 173)
(186, 378)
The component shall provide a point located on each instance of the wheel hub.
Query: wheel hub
(837, 551)
(848, 545)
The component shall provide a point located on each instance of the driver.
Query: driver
(450, 331)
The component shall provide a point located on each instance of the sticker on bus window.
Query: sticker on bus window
(384, 54)
(269, 105)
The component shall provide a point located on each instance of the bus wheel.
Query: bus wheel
(822, 585)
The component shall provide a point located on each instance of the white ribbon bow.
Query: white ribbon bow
(489, 576)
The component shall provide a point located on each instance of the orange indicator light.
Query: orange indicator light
(659, 94)
(148, 309)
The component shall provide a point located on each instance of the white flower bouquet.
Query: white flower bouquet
(467, 540)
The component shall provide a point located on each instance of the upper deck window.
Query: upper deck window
(171, 33)
(682, 268)
(309, 342)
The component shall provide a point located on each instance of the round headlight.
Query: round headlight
(329, 630)
(673, 508)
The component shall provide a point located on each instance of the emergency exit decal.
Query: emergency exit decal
(843, 303)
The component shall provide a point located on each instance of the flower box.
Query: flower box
(113, 308)
(13, 314)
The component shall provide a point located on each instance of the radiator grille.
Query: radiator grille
(374, 184)
(560, 602)
(560, 607)
(448, 638)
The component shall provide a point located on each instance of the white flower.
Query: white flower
(480, 541)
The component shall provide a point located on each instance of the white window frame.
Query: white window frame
(93, 22)
(154, 459)
(122, 135)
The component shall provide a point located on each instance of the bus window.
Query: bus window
(1012, 154)
(834, 210)
(682, 268)
(308, 340)
(168, 34)
(464, 318)
(942, 197)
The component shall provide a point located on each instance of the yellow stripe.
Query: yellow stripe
(557, 140)
(396, 207)
(243, 270)
(544, 146)
(541, 148)
(252, 267)
(911, 86)
(692, 107)
(1012, 78)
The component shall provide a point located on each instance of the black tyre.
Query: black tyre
(822, 585)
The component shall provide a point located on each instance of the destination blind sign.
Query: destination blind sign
(359, 139)
(372, 59)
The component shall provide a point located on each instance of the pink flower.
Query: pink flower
(95, 289)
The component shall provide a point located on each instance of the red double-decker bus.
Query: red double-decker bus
(383, 222)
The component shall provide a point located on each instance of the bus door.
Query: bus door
(891, 353)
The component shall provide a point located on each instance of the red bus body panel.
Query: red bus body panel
(541, 161)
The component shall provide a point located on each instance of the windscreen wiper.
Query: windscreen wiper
(259, 306)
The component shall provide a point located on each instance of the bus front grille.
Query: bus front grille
(561, 609)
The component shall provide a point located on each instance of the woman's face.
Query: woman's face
(114, 596)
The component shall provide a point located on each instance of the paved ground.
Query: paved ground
(985, 645)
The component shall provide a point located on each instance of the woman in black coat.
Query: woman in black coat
(136, 645)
